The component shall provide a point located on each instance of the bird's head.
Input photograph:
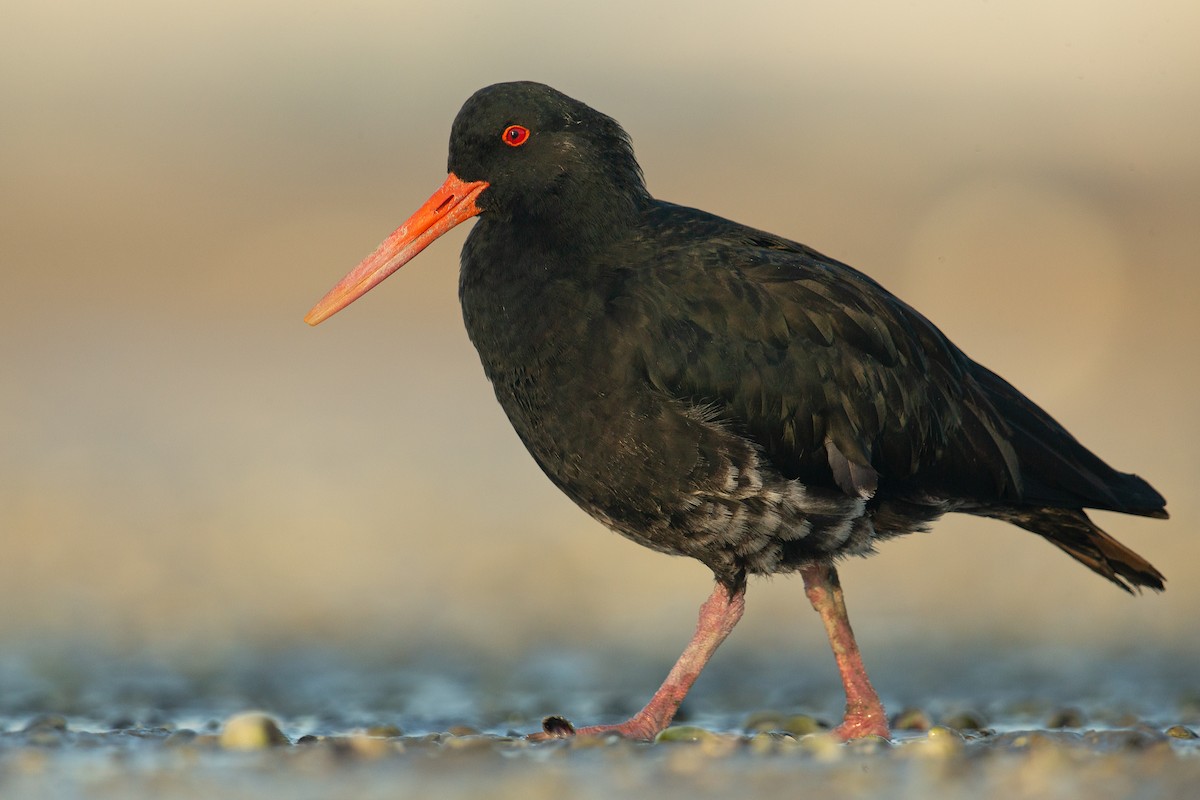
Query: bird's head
(526, 156)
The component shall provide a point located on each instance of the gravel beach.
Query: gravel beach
(77, 721)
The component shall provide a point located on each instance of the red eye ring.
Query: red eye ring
(515, 135)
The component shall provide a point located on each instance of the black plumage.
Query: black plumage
(681, 376)
(716, 391)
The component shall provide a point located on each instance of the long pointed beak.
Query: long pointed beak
(452, 203)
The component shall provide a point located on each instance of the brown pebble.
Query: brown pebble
(965, 720)
(795, 724)
(1181, 732)
(1066, 718)
(763, 721)
(911, 719)
(557, 726)
(385, 731)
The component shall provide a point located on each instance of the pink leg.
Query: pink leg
(720, 612)
(864, 711)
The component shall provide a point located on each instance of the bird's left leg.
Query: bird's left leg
(720, 612)
(864, 711)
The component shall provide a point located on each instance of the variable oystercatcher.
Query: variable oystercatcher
(711, 390)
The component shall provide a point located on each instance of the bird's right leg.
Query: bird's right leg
(864, 710)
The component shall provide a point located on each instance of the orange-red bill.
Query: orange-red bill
(451, 204)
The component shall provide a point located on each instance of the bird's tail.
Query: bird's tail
(1071, 531)
(1054, 468)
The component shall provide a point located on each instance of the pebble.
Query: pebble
(1066, 718)
(795, 724)
(1181, 732)
(684, 733)
(386, 731)
(965, 721)
(46, 730)
(911, 719)
(251, 730)
(46, 722)
(369, 747)
(941, 742)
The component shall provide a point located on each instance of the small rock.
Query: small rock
(251, 731)
(1181, 732)
(384, 731)
(763, 721)
(942, 742)
(1066, 718)
(802, 725)
(911, 719)
(462, 730)
(684, 733)
(46, 722)
(965, 720)
(557, 726)
(795, 724)
(372, 747)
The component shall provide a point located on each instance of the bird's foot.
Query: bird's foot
(638, 727)
(863, 722)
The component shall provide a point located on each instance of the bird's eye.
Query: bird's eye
(515, 135)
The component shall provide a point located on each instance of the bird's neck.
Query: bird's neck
(577, 218)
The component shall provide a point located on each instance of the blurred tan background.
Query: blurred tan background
(183, 460)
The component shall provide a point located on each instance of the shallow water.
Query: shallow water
(82, 720)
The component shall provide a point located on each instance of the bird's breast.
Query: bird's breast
(571, 377)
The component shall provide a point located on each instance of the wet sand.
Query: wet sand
(82, 721)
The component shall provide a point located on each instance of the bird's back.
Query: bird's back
(841, 383)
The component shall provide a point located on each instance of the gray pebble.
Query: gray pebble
(46, 722)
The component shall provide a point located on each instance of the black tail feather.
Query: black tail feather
(1071, 531)
(1056, 470)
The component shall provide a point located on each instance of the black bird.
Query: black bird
(711, 390)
